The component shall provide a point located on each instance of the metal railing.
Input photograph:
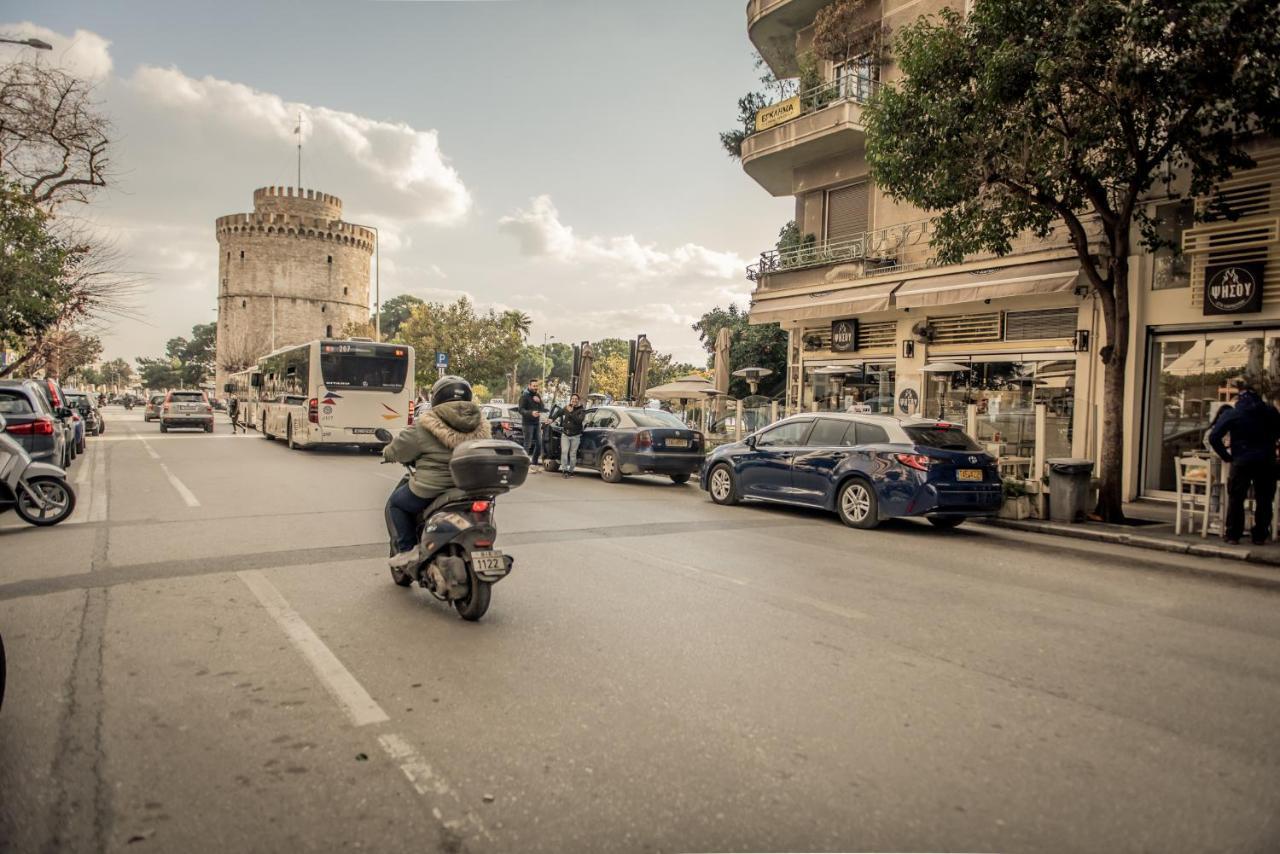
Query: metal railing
(854, 86)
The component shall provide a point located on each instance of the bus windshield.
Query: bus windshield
(366, 366)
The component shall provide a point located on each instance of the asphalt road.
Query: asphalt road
(211, 656)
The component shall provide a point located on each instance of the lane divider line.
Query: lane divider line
(361, 708)
(150, 450)
(187, 495)
(98, 487)
(426, 781)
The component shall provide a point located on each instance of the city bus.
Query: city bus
(240, 385)
(331, 392)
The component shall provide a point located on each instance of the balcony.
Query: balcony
(772, 27)
(814, 124)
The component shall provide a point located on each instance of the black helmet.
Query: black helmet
(448, 389)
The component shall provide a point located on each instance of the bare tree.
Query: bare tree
(54, 139)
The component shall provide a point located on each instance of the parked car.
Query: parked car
(186, 409)
(504, 418)
(866, 468)
(622, 440)
(152, 412)
(32, 422)
(51, 390)
(86, 405)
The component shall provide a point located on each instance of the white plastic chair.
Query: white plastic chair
(1194, 483)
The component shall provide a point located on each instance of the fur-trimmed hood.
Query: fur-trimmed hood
(456, 422)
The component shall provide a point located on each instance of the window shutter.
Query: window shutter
(847, 211)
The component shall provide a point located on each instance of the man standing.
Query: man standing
(531, 410)
(233, 412)
(571, 434)
(1254, 429)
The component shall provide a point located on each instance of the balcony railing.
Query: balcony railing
(854, 86)
(894, 249)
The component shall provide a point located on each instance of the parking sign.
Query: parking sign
(442, 360)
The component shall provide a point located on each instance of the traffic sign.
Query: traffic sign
(442, 360)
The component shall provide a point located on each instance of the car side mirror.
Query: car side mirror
(383, 435)
(62, 412)
(750, 441)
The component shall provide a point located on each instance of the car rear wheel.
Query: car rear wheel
(610, 471)
(856, 504)
(946, 522)
(721, 486)
(680, 479)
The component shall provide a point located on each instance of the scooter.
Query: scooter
(38, 491)
(457, 562)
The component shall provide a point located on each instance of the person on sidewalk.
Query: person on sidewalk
(1253, 427)
(233, 412)
(531, 410)
(571, 434)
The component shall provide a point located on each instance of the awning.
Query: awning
(824, 305)
(1018, 280)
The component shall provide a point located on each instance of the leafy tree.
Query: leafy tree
(751, 346)
(116, 373)
(358, 329)
(843, 30)
(609, 374)
(752, 103)
(395, 312)
(63, 353)
(481, 347)
(559, 362)
(159, 373)
(194, 356)
(1029, 112)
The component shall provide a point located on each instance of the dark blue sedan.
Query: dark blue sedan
(863, 467)
(622, 440)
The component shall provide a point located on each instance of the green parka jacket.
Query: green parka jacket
(429, 444)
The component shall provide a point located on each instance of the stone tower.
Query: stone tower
(291, 271)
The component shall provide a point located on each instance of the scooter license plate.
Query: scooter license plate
(493, 561)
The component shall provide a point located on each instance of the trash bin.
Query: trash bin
(1069, 480)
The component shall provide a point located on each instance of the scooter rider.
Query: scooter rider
(429, 444)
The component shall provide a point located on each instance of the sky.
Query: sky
(555, 156)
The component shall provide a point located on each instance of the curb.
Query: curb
(1251, 577)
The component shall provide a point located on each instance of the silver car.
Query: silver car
(186, 409)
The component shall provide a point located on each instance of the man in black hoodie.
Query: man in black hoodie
(1254, 429)
(531, 410)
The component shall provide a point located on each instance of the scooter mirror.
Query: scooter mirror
(383, 434)
(3, 424)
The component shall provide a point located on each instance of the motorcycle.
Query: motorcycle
(38, 491)
(457, 562)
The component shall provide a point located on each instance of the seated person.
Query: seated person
(429, 444)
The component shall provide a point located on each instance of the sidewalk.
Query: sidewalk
(1156, 533)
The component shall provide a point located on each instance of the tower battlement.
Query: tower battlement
(297, 201)
(290, 225)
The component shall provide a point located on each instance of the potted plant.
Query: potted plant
(1017, 504)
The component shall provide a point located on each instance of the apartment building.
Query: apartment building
(1006, 345)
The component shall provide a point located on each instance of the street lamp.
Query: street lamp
(545, 338)
(35, 43)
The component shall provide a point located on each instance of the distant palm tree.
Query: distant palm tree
(518, 320)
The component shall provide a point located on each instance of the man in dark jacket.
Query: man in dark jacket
(571, 434)
(531, 410)
(429, 444)
(1254, 429)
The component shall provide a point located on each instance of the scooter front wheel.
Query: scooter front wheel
(59, 498)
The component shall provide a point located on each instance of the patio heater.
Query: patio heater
(753, 376)
(949, 369)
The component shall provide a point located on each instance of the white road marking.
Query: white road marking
(187, 495)
(98, 487)
(350, 694)
(86, 465)
(181, 437)
(150, 450)
(426, 781)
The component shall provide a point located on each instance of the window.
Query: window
(656, 418)
(1042, 323)
(848, 210)
(244, 303)
(1170, 267)
(241, 254)
(328, 331)
(186, 397)
(14, 403)
(828, 433)
(590, 419)
(788, 434)
(330, 261)
(607, 419)
(857, 77)
(871, 434)
(378, 369)
(344, 292)
(944, 438)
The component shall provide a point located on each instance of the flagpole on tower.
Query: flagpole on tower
(298, 130)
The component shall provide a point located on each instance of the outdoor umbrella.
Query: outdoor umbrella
(644, 353)
(584, 371)
(721, 374)
(685, 389)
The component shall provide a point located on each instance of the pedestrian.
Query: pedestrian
(233, 412)
(571, 434)
(1253, 428)
(531, 410)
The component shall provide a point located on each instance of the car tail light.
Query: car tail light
(166, 407)
(53, 393)
(644, 440)
(208, 409)
(479, 506)
(919, 462)
(313, 411)
(410, 421)
(42, 426)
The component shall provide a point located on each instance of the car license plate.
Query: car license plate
(491, 561)
(969, 474)
(363, 429)
(677, 443)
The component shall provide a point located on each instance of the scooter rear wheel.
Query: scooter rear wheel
(55, 492)
(477, 602)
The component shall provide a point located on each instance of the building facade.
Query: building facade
(291, 271)
(1005, 345)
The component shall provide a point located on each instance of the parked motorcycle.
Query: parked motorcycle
(38, 491)
(457, 561)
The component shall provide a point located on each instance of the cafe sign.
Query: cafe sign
(1233, 288)
(777, 114)
(844, 335)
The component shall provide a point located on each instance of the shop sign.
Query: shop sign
(844, 335)
(1233, 288)
(908, 401)
(777, 114)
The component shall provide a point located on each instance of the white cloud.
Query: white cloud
(84, 54)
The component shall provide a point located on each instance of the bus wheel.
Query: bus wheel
(288, 436)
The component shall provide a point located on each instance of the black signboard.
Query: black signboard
(844, 335)
(1233, 288)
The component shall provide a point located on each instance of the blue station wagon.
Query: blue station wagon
(622, 440)
(865, 468)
